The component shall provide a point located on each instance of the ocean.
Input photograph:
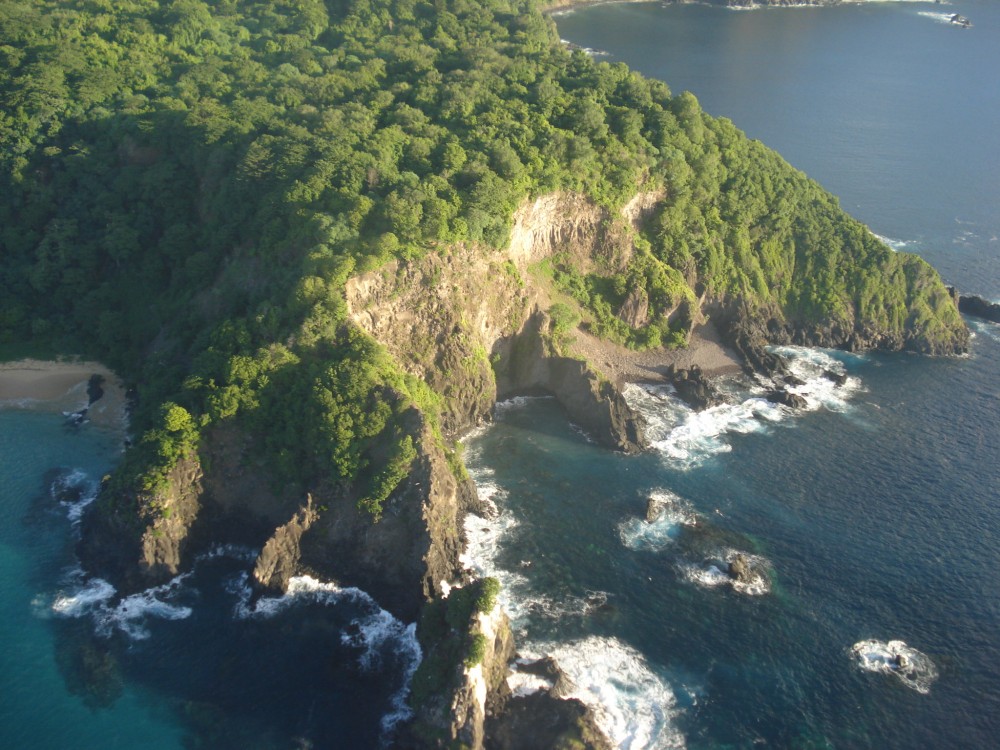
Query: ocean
(870, 520)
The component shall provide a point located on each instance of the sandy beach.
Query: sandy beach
(622, 365)
(62, 387)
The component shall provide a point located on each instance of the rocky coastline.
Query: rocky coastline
(475, 325)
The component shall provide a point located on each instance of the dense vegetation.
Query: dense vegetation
(185, 188)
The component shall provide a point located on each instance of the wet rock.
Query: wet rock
(837, 378)
(654, 509)
(977, 307)
(94, 389)
(279, 559)
(740, 570)
(787, 398)
(693, 387)
(542, 721)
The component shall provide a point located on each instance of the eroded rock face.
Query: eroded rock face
(164, 542)
(279, 560)
(142, 540)
(403, 559)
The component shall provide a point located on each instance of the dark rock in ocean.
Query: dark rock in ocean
(787, 398)
(740, 570)
(693, 387)
(977, 307)
(66, 485)
(793, 380)
(541, 721)
(94, 389)
(76, 418)
(654, 509)
(837, 378)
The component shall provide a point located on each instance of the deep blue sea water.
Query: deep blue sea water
(873, 516)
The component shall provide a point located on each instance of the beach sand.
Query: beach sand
(621, 365)
(62, 387)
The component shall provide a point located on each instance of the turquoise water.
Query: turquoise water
(36, 553)
(195, 663)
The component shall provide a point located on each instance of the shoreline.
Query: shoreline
(62, 386)
(621, 365)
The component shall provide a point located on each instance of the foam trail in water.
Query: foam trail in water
(913, 668)
(939, 17)
(633, 705)
(82, 600)
(895, 245)
(673, 513)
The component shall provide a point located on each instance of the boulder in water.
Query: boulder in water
(837, 378)
(787, 398)
(740, 570)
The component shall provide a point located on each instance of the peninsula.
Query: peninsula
(319, 240)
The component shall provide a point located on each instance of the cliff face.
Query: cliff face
(474, 324)
(142, 540)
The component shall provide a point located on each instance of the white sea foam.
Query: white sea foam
(687, 437)
(82, 600)
(675, 512)
(93, 597)
(522, 683)
(79, 482)
(893, 244)
(819, 391)
(986, 328)
(712, 572)
(517, 402)
(633, 705)
(131, 614)
(913, 668)
(376, 633)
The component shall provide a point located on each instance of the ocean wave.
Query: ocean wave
(713, 571)
(633, 705)
(913, 668)
(74, 490)
(674, 513)
(817, 369)
(94, 598)
(893, 244)
(517, 402)
(687, 438)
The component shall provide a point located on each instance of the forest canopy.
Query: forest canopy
(186, 187)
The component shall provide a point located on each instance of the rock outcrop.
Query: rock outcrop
(142, 539)
(279, 560)
(977, 307)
